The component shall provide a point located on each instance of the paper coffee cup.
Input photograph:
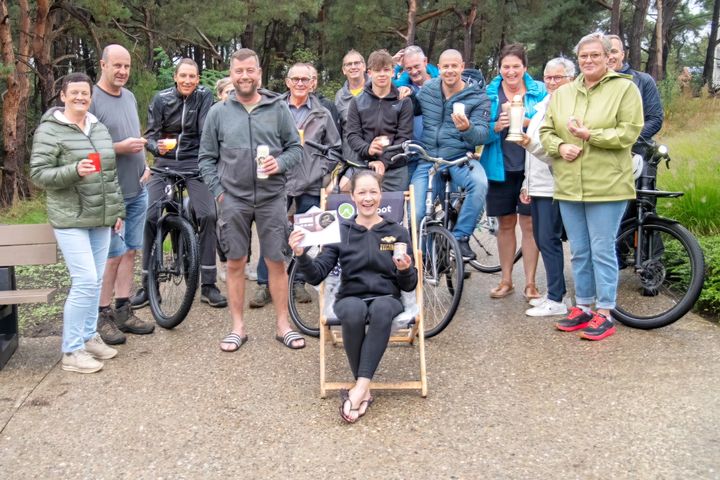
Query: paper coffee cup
(399, 250)
(459, 108)
(95, 157)
(384, 140)
(169, 143)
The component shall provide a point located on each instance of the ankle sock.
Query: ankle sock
(119, 302)
(584, 308)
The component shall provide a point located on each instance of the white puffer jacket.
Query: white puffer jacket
(539, 181)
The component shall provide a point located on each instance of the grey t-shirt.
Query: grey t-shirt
(120, 115)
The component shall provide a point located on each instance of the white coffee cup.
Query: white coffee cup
(459, 108)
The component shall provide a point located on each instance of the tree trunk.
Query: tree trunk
(14, 129)
(635, 35)
(615, 18)
(42, 42)
(412, 14)
(659, 41)
(433, 34)
(712, 44)
(657, 55)
(467, 20)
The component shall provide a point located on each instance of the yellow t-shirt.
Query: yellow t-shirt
(356, 91)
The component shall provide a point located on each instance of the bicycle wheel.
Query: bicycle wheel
(483, 242)
(670, 278)
(306, 316)
(174, 271)
(442, 279)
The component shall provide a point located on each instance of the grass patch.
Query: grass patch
(26, 212)
(694, 146)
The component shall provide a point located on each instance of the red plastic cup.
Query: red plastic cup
(95, 157)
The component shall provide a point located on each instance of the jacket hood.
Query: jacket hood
(533, 87)
(472, 75)
(50, 116)
(610, 75)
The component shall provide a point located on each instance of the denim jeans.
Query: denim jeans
(135, 211)
(591, 229)
(85, 251)
(473, 180)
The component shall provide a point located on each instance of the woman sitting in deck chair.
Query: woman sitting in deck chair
(370, 285)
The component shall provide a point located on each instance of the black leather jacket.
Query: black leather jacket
(170, 115)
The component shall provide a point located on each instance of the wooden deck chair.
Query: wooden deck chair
(407, 327)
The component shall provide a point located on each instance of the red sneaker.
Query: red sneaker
(577, 319)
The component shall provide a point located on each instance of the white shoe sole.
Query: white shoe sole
(72, 368)
(105, 357)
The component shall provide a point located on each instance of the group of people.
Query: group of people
(571, 173)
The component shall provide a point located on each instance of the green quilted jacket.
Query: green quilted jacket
(74, 201)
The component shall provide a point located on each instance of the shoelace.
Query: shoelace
(575, 312)
(597, 320)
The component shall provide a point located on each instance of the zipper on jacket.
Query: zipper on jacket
(250, 136)
(102, 177)
(182, 130)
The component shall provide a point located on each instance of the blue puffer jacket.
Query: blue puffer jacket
(492, 156)
(402, 78)
(440, 137)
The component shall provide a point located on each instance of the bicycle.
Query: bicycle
(174, 267)
(483, 242)
(661, 263)
(443, 275)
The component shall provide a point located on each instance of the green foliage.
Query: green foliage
(26, 212)
(166, 70)
(709, 301)
(694, 169)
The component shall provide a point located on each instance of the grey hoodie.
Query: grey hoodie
(229, 141)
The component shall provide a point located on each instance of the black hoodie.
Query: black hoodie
(370, 116)
(365, 258)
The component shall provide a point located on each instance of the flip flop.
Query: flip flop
(347, 418)
(234, 339)
(290, 337)
(369, 402)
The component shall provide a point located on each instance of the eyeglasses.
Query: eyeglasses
(354, 64)
(592, 56)
(555, 78)
(296, 80)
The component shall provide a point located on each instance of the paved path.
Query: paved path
(509, 397)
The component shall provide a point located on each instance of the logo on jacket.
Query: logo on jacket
(346, 210)
(388, 243)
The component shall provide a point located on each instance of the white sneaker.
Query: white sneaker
(547, 308)
(97, 348)
(534, 302)
(221, 270)
(250, 273)
(80, 361)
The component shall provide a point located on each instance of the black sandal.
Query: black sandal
(347, 418)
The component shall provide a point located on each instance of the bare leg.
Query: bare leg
(507, 245)
(278, 284)
(236, 297)
(109, 280)
(124, 277)
(530, 251)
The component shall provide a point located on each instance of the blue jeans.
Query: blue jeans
(135, 211)
(303, 203)
(85, 251)
(591, 229)
(475, 183)
(547, 230)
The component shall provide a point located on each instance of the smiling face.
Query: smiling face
(382, 76)
(617, 55)
(555, 77)
(187, 79)
(115, 68)
(76, 98)
(512, 71)
(366, 194)
(416, 66)
(299, 82)
(593, 60)
(451, 66)
(353, 66)
(246, 76)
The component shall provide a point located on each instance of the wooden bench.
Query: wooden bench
(21, 245)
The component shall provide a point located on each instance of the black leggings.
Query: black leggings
(365, 349)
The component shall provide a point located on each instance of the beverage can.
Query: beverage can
(262, 152)
(399, 250)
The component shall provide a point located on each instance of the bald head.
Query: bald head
(450, 54)
(115, 67)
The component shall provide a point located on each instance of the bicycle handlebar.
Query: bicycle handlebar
(167, 171)
(411, 148)
(325, 150)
